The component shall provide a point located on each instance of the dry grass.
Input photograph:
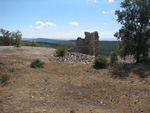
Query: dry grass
(63, 87)
(133, 75)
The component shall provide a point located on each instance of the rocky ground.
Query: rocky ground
(67, 85)
(73, 57)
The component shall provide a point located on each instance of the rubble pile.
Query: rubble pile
(74, 57)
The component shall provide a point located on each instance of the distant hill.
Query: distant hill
(44, 40)
(47, 40)
(106, 47)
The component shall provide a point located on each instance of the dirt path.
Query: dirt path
(62, 87)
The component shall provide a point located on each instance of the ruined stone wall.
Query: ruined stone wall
(80, 42)
(89, 45)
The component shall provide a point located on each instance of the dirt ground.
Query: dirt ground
(61, 87)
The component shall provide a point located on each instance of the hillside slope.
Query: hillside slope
(62, 87)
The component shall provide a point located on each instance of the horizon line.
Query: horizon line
(67, 39)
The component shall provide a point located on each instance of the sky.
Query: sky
(60, 19)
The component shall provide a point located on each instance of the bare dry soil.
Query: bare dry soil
(61, 87)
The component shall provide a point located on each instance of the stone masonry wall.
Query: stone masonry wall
(89, 45)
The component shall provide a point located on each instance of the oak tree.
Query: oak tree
(134, 35)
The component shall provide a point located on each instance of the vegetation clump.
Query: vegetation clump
(8, 38)
(113, 57)
(134, 35)
(37, 63)
(61, 51)
(18, 36)
(100, 62)
(4, 78)
(33, 44)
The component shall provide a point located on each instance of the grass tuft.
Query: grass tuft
(4, 78)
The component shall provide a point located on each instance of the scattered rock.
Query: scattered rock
(32, 96)
(74, 57)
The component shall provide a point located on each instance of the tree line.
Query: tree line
(8, 38)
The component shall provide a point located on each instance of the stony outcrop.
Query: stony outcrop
(89, 45)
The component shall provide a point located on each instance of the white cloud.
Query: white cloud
(74, 23)
(104, 12)
(111, 0)
(112, 11)
(31, 26)
(41, 24)
(50, 24)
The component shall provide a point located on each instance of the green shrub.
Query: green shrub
(100, 62)
(113, 57)
(61, 51)
(4, 78)
(37, 63)
(33, 43)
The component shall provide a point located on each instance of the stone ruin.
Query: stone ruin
(89, 45)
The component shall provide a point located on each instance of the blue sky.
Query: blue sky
(60, 19)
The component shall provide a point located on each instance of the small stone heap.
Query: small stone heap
(73, 57)
(89, 45)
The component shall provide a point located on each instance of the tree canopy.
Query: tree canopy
(18, 36)
(8, 38)
(135, 31)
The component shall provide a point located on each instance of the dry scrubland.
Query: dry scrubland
(62, 87)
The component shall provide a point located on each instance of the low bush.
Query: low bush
(37, 63)
(61, 51)
(100, 62)
(4, 78)
(113, 57)
(120, 70)
(33, 44)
